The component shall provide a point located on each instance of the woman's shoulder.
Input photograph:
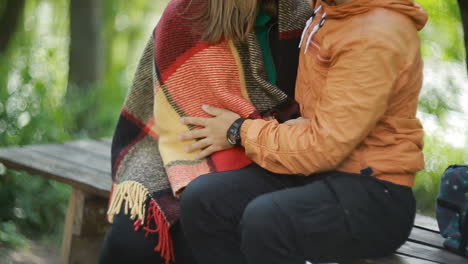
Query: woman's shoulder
(177, 21)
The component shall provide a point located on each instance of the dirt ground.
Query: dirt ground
(33, 254)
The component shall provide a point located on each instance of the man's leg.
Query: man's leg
(340, 218)
(213, 204)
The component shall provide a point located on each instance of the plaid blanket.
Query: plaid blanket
(178, 73)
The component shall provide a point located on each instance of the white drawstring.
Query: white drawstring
(309, 22)
(315, 30)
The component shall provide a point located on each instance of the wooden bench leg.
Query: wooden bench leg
(84, 229)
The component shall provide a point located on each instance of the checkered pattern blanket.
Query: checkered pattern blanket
(178, 73)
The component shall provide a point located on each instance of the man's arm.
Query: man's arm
(358, 87)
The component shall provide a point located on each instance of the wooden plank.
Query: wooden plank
(97, 147)
(426, 237)
(85, 228)
(423, 252)
(72, 155)
(426, 222)
(75, 209)
(393, 259)
(89, 180)
(399, 259)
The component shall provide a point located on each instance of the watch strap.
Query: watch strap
(233, 133)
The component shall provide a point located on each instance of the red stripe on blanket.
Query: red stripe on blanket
(290, 34)
(231, 159)
(175, 34)
(181, 60)
(214, 80)
(149, 129)
(145, 130)
(180, 175)
(130, 117)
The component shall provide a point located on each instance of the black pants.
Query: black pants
(255, 216)
(124, 245)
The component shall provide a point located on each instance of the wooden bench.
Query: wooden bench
(85, 166)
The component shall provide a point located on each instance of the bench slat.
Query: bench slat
(426, 237)
(81, 177)
(400, 259)
(76, 156)
(426, 222)
(430, 253)
(94, 146)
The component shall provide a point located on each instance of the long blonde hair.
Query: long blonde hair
(230, 19)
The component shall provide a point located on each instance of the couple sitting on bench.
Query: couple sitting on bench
(214, 162)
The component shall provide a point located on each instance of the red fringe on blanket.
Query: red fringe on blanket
(155, 217)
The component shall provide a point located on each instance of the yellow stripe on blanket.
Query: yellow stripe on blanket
(235, 53)
(169, 128)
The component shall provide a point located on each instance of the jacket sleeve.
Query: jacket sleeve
(359, 82)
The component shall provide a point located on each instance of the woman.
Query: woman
(236, 54)
(358, 141)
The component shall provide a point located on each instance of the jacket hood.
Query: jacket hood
(354, 7)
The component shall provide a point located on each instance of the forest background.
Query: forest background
(66, 66)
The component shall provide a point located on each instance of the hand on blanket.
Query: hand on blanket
(212, 137)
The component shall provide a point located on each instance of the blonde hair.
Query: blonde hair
(228, 19)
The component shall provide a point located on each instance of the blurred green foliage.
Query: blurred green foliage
(443, 36)
(33, 81)
(9, 235)
(442, 40)
(30, 113)
(444, 52)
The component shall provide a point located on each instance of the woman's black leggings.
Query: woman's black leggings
(124, 245)
(258, 217)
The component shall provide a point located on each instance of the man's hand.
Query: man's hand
(212, 137)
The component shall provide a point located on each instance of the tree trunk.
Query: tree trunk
(463, 4)
(85, 45)
(86, 62)
(9, 21)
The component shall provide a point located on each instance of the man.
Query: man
(358, 142)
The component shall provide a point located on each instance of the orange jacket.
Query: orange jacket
(358, 84)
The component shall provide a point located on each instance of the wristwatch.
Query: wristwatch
(233, 133)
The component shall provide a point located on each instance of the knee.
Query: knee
(259, 220)
(266, 233)
(199, 194)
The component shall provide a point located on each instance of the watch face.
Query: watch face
(231, 139)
